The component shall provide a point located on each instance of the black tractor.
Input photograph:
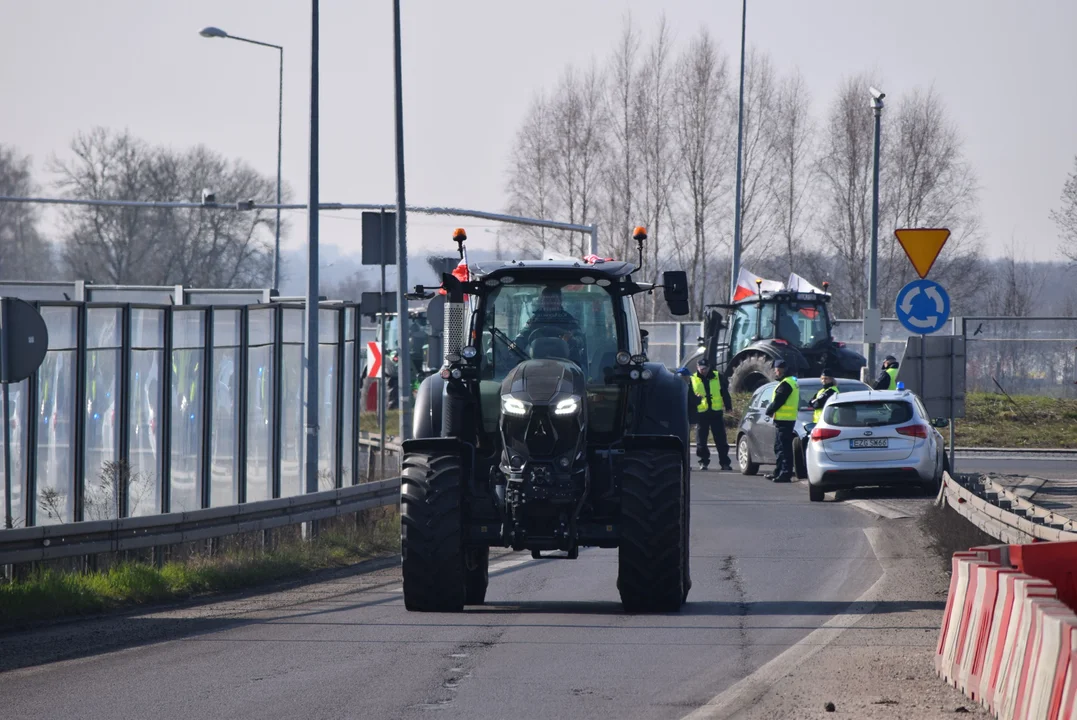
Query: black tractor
(547, 430)
(743, 339)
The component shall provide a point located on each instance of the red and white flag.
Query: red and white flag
(799, 284)
(746, 285)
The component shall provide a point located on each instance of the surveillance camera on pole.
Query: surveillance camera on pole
(877, 94)
(208, 197)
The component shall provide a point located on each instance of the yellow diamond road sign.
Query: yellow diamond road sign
(922, 245)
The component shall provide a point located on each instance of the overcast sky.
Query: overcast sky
(1006, 69)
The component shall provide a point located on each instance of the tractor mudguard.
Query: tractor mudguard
(441, 446)
(426, 423)
(663, 410)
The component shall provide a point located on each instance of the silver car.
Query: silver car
(875, 438)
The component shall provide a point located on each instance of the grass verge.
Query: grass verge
(50, 593)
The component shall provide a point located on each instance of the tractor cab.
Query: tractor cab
(744, 338)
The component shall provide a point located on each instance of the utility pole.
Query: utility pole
(740, 153)
(873, 265)
(311, 340)
(403, 367)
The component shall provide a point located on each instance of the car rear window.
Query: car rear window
(868, 414)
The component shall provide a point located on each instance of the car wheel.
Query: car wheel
(815, 494)
(744, 457)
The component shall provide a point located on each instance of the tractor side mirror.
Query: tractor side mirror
(675, 287)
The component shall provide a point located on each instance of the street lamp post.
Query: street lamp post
(213, 32)
(735, 269)
(873, 266)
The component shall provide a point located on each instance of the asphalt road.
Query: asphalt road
(1051, 467)
(551, 642)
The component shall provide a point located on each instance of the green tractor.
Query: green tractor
(548, 430)
(743, 339)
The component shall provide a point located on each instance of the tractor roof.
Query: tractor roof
(612, 269)
(785, 296)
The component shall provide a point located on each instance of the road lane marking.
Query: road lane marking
(748, 691)
(877, 509)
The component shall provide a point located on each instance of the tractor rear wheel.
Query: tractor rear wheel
(431, 533)
(750, 374)
(651, 573)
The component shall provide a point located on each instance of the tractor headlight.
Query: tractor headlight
(623, 358)
(514, 406)
(568, 406)
(469, 352)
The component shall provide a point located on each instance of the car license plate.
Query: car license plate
(869, 443)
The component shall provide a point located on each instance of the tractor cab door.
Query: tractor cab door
(763, 432)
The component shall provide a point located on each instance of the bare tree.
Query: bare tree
(657, 166)
(928, 183)
(208, 248)
(757, 166)
(1066, 216)
(791, 180)
(624, 138)
(578, 128)
(701, 88)
(24, 253)
(1017, 285)
(531, 187)
(844, 170)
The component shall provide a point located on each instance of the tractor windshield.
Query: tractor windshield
(574, 322)
(801, 324)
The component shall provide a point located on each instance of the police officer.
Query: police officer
(710, 389)
(818, 402)
(783, 408)
(887, 379)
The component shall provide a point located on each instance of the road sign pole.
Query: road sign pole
(382, 404)
(403, 370)
(873, 266)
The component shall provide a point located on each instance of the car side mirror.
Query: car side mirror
(808, 427)
(940, 423)
(675, 288)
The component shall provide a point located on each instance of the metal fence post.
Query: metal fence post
(338, 430)
(123, 412)
(166, 411)
(242, 401)
(206, 470)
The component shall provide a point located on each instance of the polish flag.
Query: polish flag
(460, 272)
(746, 285)
(799, 284)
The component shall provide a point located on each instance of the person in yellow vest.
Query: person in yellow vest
(887, 379)
(818, 402)
(711, 391)
(783, 408)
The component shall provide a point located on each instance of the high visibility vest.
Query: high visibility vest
(712, 400)
(818, 414)
(788, 411)
(893, 373)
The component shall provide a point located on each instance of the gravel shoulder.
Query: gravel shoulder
(877, 664)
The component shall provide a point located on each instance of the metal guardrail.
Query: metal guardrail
(50, 542)
(1002, 514)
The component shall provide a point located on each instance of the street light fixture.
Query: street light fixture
(215, 32)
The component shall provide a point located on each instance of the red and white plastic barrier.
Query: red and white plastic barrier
(1009, 634)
